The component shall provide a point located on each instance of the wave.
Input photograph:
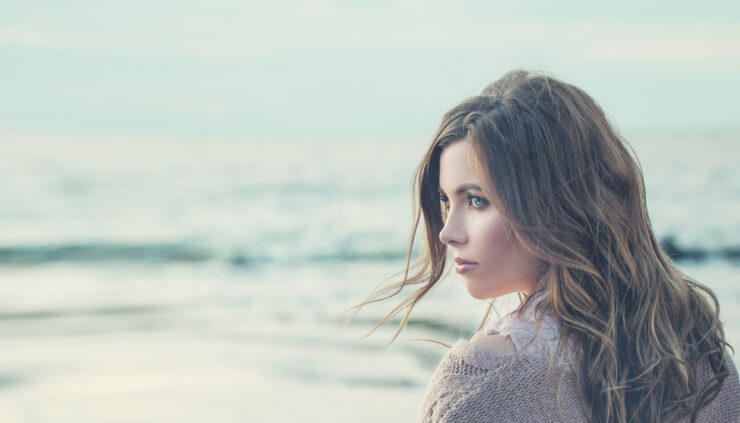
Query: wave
(100, 252)
(41, 314)
(30, 255)
(680, 253)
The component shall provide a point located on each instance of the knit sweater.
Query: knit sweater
(474, 385)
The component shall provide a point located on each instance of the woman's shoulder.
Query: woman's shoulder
(493, 351)
(486, 378)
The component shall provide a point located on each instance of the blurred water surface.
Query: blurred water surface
(156, 280)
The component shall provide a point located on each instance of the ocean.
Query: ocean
(189, 280)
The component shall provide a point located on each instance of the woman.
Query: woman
(531, 190)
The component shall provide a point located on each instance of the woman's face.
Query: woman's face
(474, 231)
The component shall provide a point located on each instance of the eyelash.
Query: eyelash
(445, 201)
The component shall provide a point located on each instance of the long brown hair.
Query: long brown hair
(573, 195)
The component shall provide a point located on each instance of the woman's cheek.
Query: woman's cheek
(496, 242)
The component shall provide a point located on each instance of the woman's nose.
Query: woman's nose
(452, 232)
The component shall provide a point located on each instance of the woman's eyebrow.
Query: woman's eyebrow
(463, 188)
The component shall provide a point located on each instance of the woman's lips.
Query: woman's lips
(464, 266)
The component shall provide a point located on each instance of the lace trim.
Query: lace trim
(523, 332)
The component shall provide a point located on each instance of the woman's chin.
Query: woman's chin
(487, 291)
(480, 292)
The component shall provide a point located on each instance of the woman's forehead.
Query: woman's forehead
(458, 166)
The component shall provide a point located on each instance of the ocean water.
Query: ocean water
(168, 280)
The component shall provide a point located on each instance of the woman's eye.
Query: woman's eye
(476, 202)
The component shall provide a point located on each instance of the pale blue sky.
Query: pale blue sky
(320, 67)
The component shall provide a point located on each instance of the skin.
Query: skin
(474, 231)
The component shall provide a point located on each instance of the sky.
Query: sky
(313, 68)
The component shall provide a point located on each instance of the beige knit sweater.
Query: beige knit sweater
(473, 385)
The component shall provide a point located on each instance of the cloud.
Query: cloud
(45, 39)
(669, 50)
